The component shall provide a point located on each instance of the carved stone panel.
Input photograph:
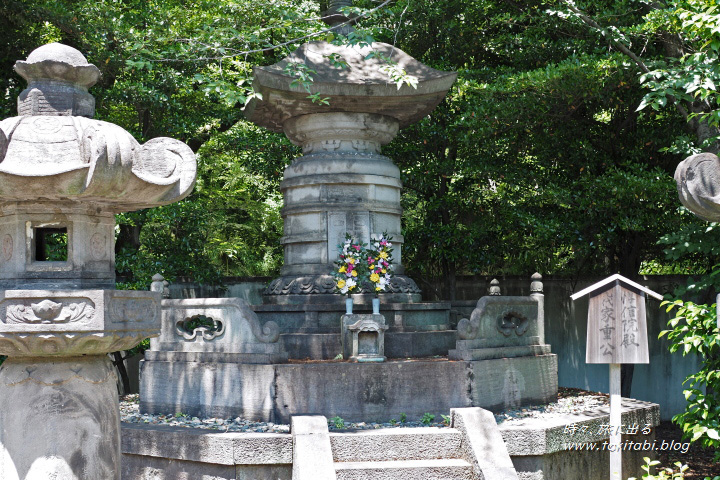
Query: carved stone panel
(357, 224)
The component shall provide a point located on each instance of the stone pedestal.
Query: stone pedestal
(59, 419)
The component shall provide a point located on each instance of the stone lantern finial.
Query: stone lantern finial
(338, 20)
(58, 79)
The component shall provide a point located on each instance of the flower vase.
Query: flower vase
(348, 305)
(376, 306)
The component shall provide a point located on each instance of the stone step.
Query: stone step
(390, 444)
(445, 469)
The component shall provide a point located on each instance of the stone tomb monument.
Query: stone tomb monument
(63, 176)
(344, 184)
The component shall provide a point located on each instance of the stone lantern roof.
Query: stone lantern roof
(53, 151)
(360, 87)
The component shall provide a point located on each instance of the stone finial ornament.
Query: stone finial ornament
(698, 183)
(536, 285)
(58, 79)
(494, 289)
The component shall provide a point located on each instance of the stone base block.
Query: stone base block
(539, 448)
(208, 389)
(353, 391)
(60, 419)
(498, 352)
(326, 346)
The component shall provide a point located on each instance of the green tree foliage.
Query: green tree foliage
(695, 331)
(539, 159)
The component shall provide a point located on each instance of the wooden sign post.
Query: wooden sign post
(616, 334)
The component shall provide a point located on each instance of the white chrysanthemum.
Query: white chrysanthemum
(351, 282)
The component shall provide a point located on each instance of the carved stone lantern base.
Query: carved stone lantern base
(67, 408)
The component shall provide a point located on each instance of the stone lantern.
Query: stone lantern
(342, 183)
(63, 177)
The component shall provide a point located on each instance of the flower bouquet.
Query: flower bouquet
(350, 271)
(379, 262)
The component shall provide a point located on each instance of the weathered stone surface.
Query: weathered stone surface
(507, 383)
(371, 391)
(237, 330)
(75, 322)
(361, 87)
(60, 419)
(391, 444)
(312, 455)
(698, 183)
(223, 390)
(483, 443)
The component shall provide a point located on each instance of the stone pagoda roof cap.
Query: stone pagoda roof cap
(360, 87)
(59, 62)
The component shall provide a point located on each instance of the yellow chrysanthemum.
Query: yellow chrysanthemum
(383, 255)
(341, 283)
(374, 278)
(354, 273)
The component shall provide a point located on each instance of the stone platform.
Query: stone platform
(219, 387)
(311, 331)
(540, 449)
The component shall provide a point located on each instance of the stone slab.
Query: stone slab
(484, 445)
(498, 352)
(222, 390)
(506, 383)
(312, 454)
(422, 443)
(371, 391)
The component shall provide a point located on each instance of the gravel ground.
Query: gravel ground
(569, 401)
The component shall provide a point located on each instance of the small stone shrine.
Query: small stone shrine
(363, 337)
(63, 177)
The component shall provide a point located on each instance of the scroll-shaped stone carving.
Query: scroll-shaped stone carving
(236, 329)
(499, 321)
(467, 330)
(207, 332)
(512, 322)
(698, 183)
